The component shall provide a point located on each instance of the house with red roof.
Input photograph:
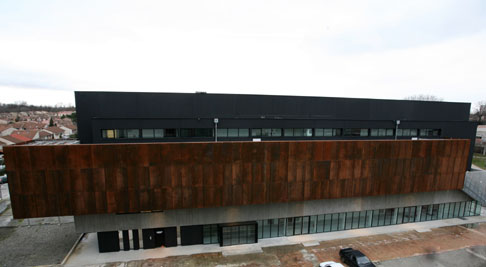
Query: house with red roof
(31, 134)
(14, 139)
(56, 131)
(6, 129)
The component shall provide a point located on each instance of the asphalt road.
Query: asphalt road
(470, 257)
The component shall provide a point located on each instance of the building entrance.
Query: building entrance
(238, 233)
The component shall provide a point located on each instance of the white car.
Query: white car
(330, 264)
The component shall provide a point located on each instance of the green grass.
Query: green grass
(479, 160)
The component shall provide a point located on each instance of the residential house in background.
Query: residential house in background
(56, 131)
(6, 129)
(480, 144)
(68, 129)
(14, 139)
(30, 134)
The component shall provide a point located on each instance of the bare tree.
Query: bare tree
(479, 113)
(424, 98)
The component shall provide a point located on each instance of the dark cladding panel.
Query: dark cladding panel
(108, 241)
(170, 237)
(124, 110)
(191, 235)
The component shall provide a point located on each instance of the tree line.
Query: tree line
(24, 107)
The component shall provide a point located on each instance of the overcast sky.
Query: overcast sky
(366, 49)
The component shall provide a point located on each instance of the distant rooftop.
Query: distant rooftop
(52, 142)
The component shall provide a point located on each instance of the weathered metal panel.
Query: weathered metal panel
(127, 178)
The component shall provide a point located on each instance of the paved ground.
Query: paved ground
(35, 245)
(470, 257)
(455, 241)
(45, 241)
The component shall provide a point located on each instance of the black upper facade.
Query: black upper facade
(107, 117)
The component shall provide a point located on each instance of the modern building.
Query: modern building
(168, 169)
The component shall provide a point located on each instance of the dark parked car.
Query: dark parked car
(354, 257)
(3, 179)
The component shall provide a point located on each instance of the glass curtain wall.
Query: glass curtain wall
(278, 227)
(364, 219)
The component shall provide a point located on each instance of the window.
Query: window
(276, 132)
(109, 134)
(320, 224)
(120, 133)
(342, 220)
(327, 222)
(256, 132)
(299, 132)
(127, 133)
(298, 226)
(381, 132)
(133, 133)
(290, 226)
(147, 133)
(187, 132)
(232, 132)
(266, 132)
(313, 224)
(334, 223)
(305, 225)
(376, 132)
(355, 132)
(266, 228)
(222, 132)
(170, 132)
(281, 227)
(273, 227)
(288, 132)
(349, 220)
(158, 133)
(404, 132)
(376, 215)
(328, 132)
(243, 132)
(362, 219)
(308, 132)
(210, 234)
(425, 132)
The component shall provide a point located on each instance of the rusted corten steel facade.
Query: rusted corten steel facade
(130, 178)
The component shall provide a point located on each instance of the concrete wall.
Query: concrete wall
(110, 222)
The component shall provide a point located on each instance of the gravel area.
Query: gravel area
(36, 245)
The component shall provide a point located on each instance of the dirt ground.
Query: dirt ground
(378, 248)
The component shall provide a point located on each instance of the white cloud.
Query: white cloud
(345, 48)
